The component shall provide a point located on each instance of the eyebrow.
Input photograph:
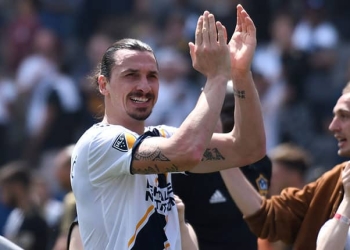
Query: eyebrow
(136, 70)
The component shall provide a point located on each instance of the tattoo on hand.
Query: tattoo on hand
(239, 93)
(212, 154)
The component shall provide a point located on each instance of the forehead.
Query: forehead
(343, 104)
(134, 59)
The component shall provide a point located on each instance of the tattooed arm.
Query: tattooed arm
(189, 149)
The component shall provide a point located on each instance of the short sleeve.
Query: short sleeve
(110, 154)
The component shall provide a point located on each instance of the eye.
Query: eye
(155, 76)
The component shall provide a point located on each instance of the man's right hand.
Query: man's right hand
(210, 52)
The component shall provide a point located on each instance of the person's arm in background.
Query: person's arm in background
(241, 190)
(334, 233)
(188, 235)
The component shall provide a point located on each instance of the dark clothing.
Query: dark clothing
(217, 221)
(32, 232)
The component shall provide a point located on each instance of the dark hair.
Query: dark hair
(292, 157)
(16, 171)
(108, 60)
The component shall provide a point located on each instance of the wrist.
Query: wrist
(219, 79)
(342, 218)
(241, 75)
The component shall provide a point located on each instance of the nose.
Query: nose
(144, 85)
(334, 125)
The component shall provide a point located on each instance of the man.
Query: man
(296, 215)
(120, 169)
(218, 218)
(25, 225)
(290, 164)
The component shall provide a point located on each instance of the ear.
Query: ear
(102, 85)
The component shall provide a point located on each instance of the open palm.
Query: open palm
(243, 42)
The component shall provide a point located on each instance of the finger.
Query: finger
(198, 34)
(244, 16)
(205, 30)
(239, 19)
(251, 29)
(191, 46)
(222, 34)
(212, 29)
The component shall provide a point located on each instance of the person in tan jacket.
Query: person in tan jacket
(295, 216)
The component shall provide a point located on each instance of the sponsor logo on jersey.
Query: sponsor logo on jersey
(217, 197)
(124, 142)
(161, 195)
(262, 184)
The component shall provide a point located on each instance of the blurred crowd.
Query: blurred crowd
(49, 48)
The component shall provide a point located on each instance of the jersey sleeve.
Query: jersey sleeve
(110, 154)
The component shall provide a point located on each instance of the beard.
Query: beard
(140, 115)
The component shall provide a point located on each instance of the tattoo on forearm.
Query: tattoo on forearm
(155, 170)
(151, 155)
(212, 154)
(239, 93)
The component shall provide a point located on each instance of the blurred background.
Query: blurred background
(48, 48)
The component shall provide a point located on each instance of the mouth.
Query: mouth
(341, 141)
(139, 99)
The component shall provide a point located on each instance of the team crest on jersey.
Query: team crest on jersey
(124, 142)
(262, 184)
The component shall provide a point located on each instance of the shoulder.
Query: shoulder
(334, 173)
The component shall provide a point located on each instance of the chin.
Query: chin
(344, 153)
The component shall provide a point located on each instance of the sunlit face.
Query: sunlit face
(340, 125)
(134, 84)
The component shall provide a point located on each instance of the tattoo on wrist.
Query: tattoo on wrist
(212, 154)
(239, 93)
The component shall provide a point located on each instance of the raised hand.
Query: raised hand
(210, 53)
(243, 42)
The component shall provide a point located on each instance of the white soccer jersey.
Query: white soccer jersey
(118, 210)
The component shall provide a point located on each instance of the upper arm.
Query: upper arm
(108, 155)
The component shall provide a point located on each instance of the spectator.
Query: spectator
(25, 225)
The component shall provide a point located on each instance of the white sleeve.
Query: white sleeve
(110, 155)
(322, 231)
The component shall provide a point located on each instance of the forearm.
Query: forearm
(249, 126)
(196, 131)
(247, 199)
(334, 234)
(188, 237)
(184, 149)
